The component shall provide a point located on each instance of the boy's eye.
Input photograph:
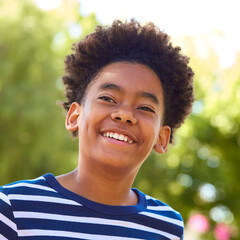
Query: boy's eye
(147, 109)
(107, 99)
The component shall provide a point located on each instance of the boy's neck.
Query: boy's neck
(103, 188)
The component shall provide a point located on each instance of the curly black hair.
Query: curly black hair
(132, 42)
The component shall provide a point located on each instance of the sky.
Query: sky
(175, 17)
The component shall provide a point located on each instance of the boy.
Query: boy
(127, 91)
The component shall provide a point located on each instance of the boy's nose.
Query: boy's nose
(124, 116)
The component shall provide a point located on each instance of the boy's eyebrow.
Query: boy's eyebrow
(111, 86)
(150, 96)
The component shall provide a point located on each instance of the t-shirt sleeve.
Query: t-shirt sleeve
(8, 228)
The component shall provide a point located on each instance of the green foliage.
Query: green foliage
(33, 45)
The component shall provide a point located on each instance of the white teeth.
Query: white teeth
(121, 137)
(117, 136)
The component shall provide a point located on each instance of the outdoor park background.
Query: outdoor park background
(198, 176)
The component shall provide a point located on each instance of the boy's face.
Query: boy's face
(119, 122)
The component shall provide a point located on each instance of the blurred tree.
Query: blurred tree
(33, 45)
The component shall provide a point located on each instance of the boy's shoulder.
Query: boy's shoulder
(153, 203)
(162, 217)
(23, 186)
(155, 207)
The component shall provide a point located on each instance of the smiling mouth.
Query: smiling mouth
(118, 136)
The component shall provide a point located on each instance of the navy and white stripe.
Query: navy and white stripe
(43, 209)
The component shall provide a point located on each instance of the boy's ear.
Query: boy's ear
(163, 139)
(71, 122)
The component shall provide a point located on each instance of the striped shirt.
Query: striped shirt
(43, 209)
